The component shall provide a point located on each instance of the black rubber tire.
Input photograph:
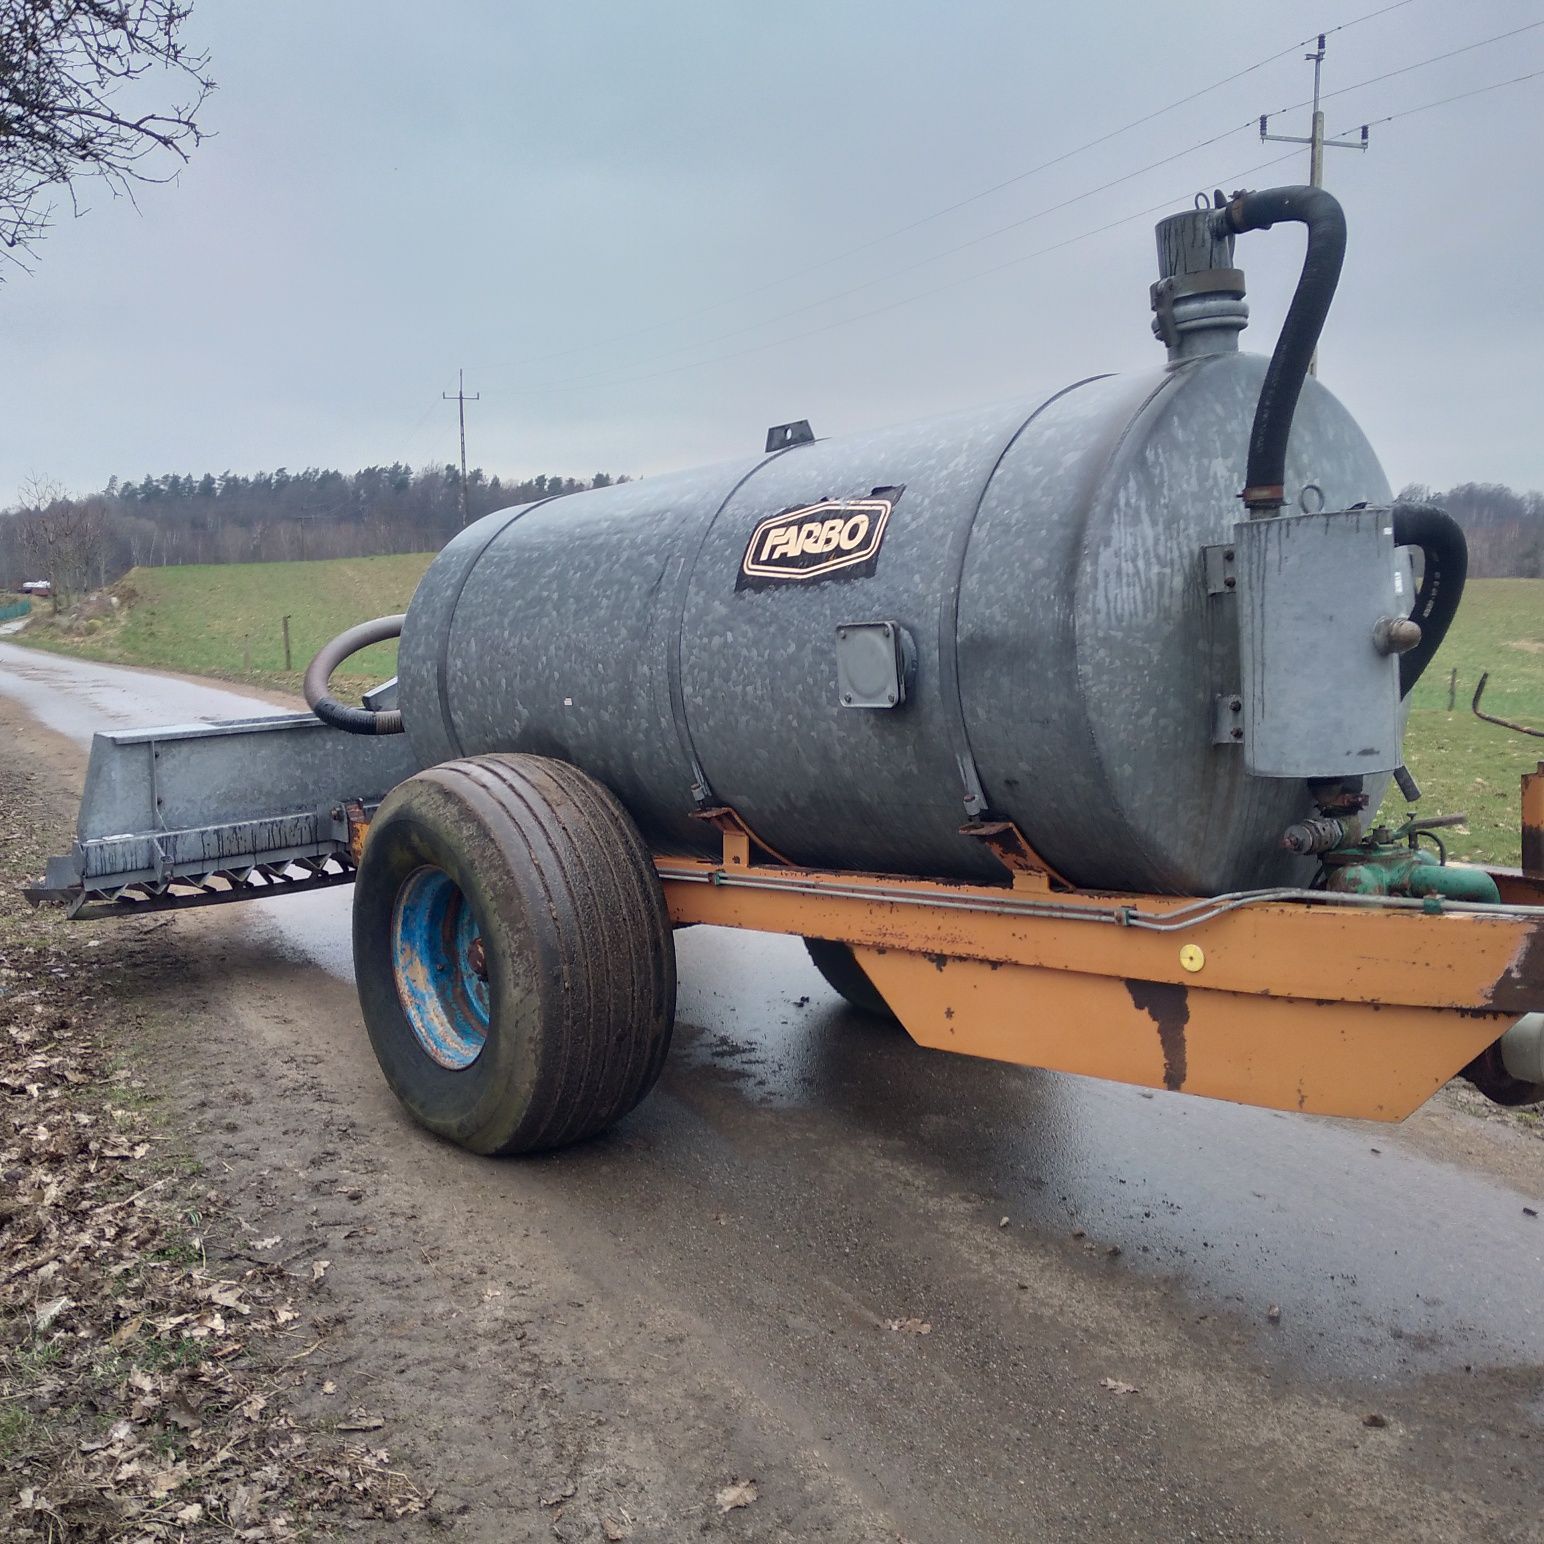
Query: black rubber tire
(847, 978)
(580, 957)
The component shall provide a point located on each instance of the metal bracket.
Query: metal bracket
(738, 838)
(1228, 719)
(1010, 847)
(786, 436)
(1220, 568)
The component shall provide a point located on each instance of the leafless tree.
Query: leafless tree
(62, 537)
(77, 79)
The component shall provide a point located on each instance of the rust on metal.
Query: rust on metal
(358, 825)
(739, 839)
(1533, 824)
(1169, 1008)
(1027, 869)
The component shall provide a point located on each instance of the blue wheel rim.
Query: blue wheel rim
(437, 955)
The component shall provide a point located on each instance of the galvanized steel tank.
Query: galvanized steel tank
(1045, 562)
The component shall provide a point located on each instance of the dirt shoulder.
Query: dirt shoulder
(150, 1348)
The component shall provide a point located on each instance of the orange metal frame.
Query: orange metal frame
(1290, 1002)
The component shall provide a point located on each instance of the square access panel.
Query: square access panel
(872, 664)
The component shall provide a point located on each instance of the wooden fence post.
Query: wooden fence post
(284, 623)
(1452, 686)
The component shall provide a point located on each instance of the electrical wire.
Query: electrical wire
(895, 273)
(1420, 64)
(907, 300)
(1426, 107)
(1232, 178)
(947, 209)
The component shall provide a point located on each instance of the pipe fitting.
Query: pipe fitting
(1395, 635)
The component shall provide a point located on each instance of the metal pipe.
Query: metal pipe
(1181, 917)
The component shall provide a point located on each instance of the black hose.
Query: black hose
(1264, 492)
(329, 657)
(1445, 565)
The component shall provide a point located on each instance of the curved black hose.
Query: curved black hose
(1288, 368)
(329, 657)
(1445, 566)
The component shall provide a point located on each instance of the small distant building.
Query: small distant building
(38, 587)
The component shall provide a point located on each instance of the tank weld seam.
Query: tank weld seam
(1169, 384)
(1194, 914)
(442, 667)
(701, 790)
(975, 800)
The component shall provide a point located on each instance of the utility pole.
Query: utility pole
(1316, 143)
(461, 399)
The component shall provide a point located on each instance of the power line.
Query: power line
(1420, 64)
(907, 300)
(601, 374)
(895, 273)
(1426, 107)
(1232, 177)
(765, 321)
(947, 209)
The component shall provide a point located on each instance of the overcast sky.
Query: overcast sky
(634, 224)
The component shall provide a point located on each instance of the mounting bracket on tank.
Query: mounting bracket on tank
(1220, 568)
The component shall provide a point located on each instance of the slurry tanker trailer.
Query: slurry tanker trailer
(1055, 728)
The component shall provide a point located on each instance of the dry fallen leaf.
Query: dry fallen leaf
(319, 1269)
(612, 1529)
(51, 1311)
(1115, 1386)
(737, 1493)
(329, 1387)
(911, 1326)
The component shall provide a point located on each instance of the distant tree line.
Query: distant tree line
(85, 542)
(81, 543)
(1505, 528)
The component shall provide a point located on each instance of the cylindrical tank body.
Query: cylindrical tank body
(1046, 564)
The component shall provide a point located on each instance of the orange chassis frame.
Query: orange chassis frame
(1292, 1000)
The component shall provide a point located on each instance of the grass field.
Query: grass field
(1463, 764)
(225, 622)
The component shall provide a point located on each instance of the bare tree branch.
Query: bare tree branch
(74, 75)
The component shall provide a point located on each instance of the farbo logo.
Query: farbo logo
(836, 536)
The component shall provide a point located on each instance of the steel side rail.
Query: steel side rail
(1293, 1000)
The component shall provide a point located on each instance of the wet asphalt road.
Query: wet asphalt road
(881, 1175)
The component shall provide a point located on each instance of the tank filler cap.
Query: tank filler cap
(1198, 299)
